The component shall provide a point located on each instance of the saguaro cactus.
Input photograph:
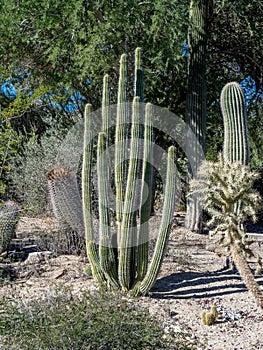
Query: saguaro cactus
(236, 149)
(236, 141)
(9, 216)
(196, 111)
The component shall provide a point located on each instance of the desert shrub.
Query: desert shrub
(32, 164)
(62, 241)
(65, 320)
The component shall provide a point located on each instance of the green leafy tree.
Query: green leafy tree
(9, 144)
(66, 46)
(70, 44)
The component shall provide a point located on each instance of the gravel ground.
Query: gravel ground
(191, 280)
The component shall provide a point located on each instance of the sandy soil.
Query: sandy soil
(191, 280)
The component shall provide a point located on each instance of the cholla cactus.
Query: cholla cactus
(9, 216)
(221, 186)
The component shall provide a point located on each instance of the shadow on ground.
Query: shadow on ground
(188, 285)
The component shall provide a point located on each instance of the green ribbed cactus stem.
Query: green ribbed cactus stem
(214, 311)
(121, 139)
(203, 317)
(65, 199)
(105, 108)
(91, 249)
(123, 263)
(196, 109)
(209, 319)
(146, 196)
(128, 239)
(236, 140)
(86, 175)
(92, 255)
(170, 195)
(9, 217)
(107, 257)
(138, 74)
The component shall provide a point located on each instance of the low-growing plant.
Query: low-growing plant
(66, 320)
(209, 318)
(61, 242)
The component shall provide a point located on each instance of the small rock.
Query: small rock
(37, 257)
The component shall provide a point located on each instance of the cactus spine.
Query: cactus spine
(129, 270)
(9, 216)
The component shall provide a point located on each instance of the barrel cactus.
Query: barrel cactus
(65, 199)
(9, 216)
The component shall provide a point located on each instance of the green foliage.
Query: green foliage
(69, 45)
(256, 136)
(89, 321)
(71, 42)
(31, 166)
(10, 142)
(236, 33)
(22, 103)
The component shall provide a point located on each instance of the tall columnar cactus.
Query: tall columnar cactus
(125, 265)
(236, 141)
(118, 248)
(9, 216)
(196, 111)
